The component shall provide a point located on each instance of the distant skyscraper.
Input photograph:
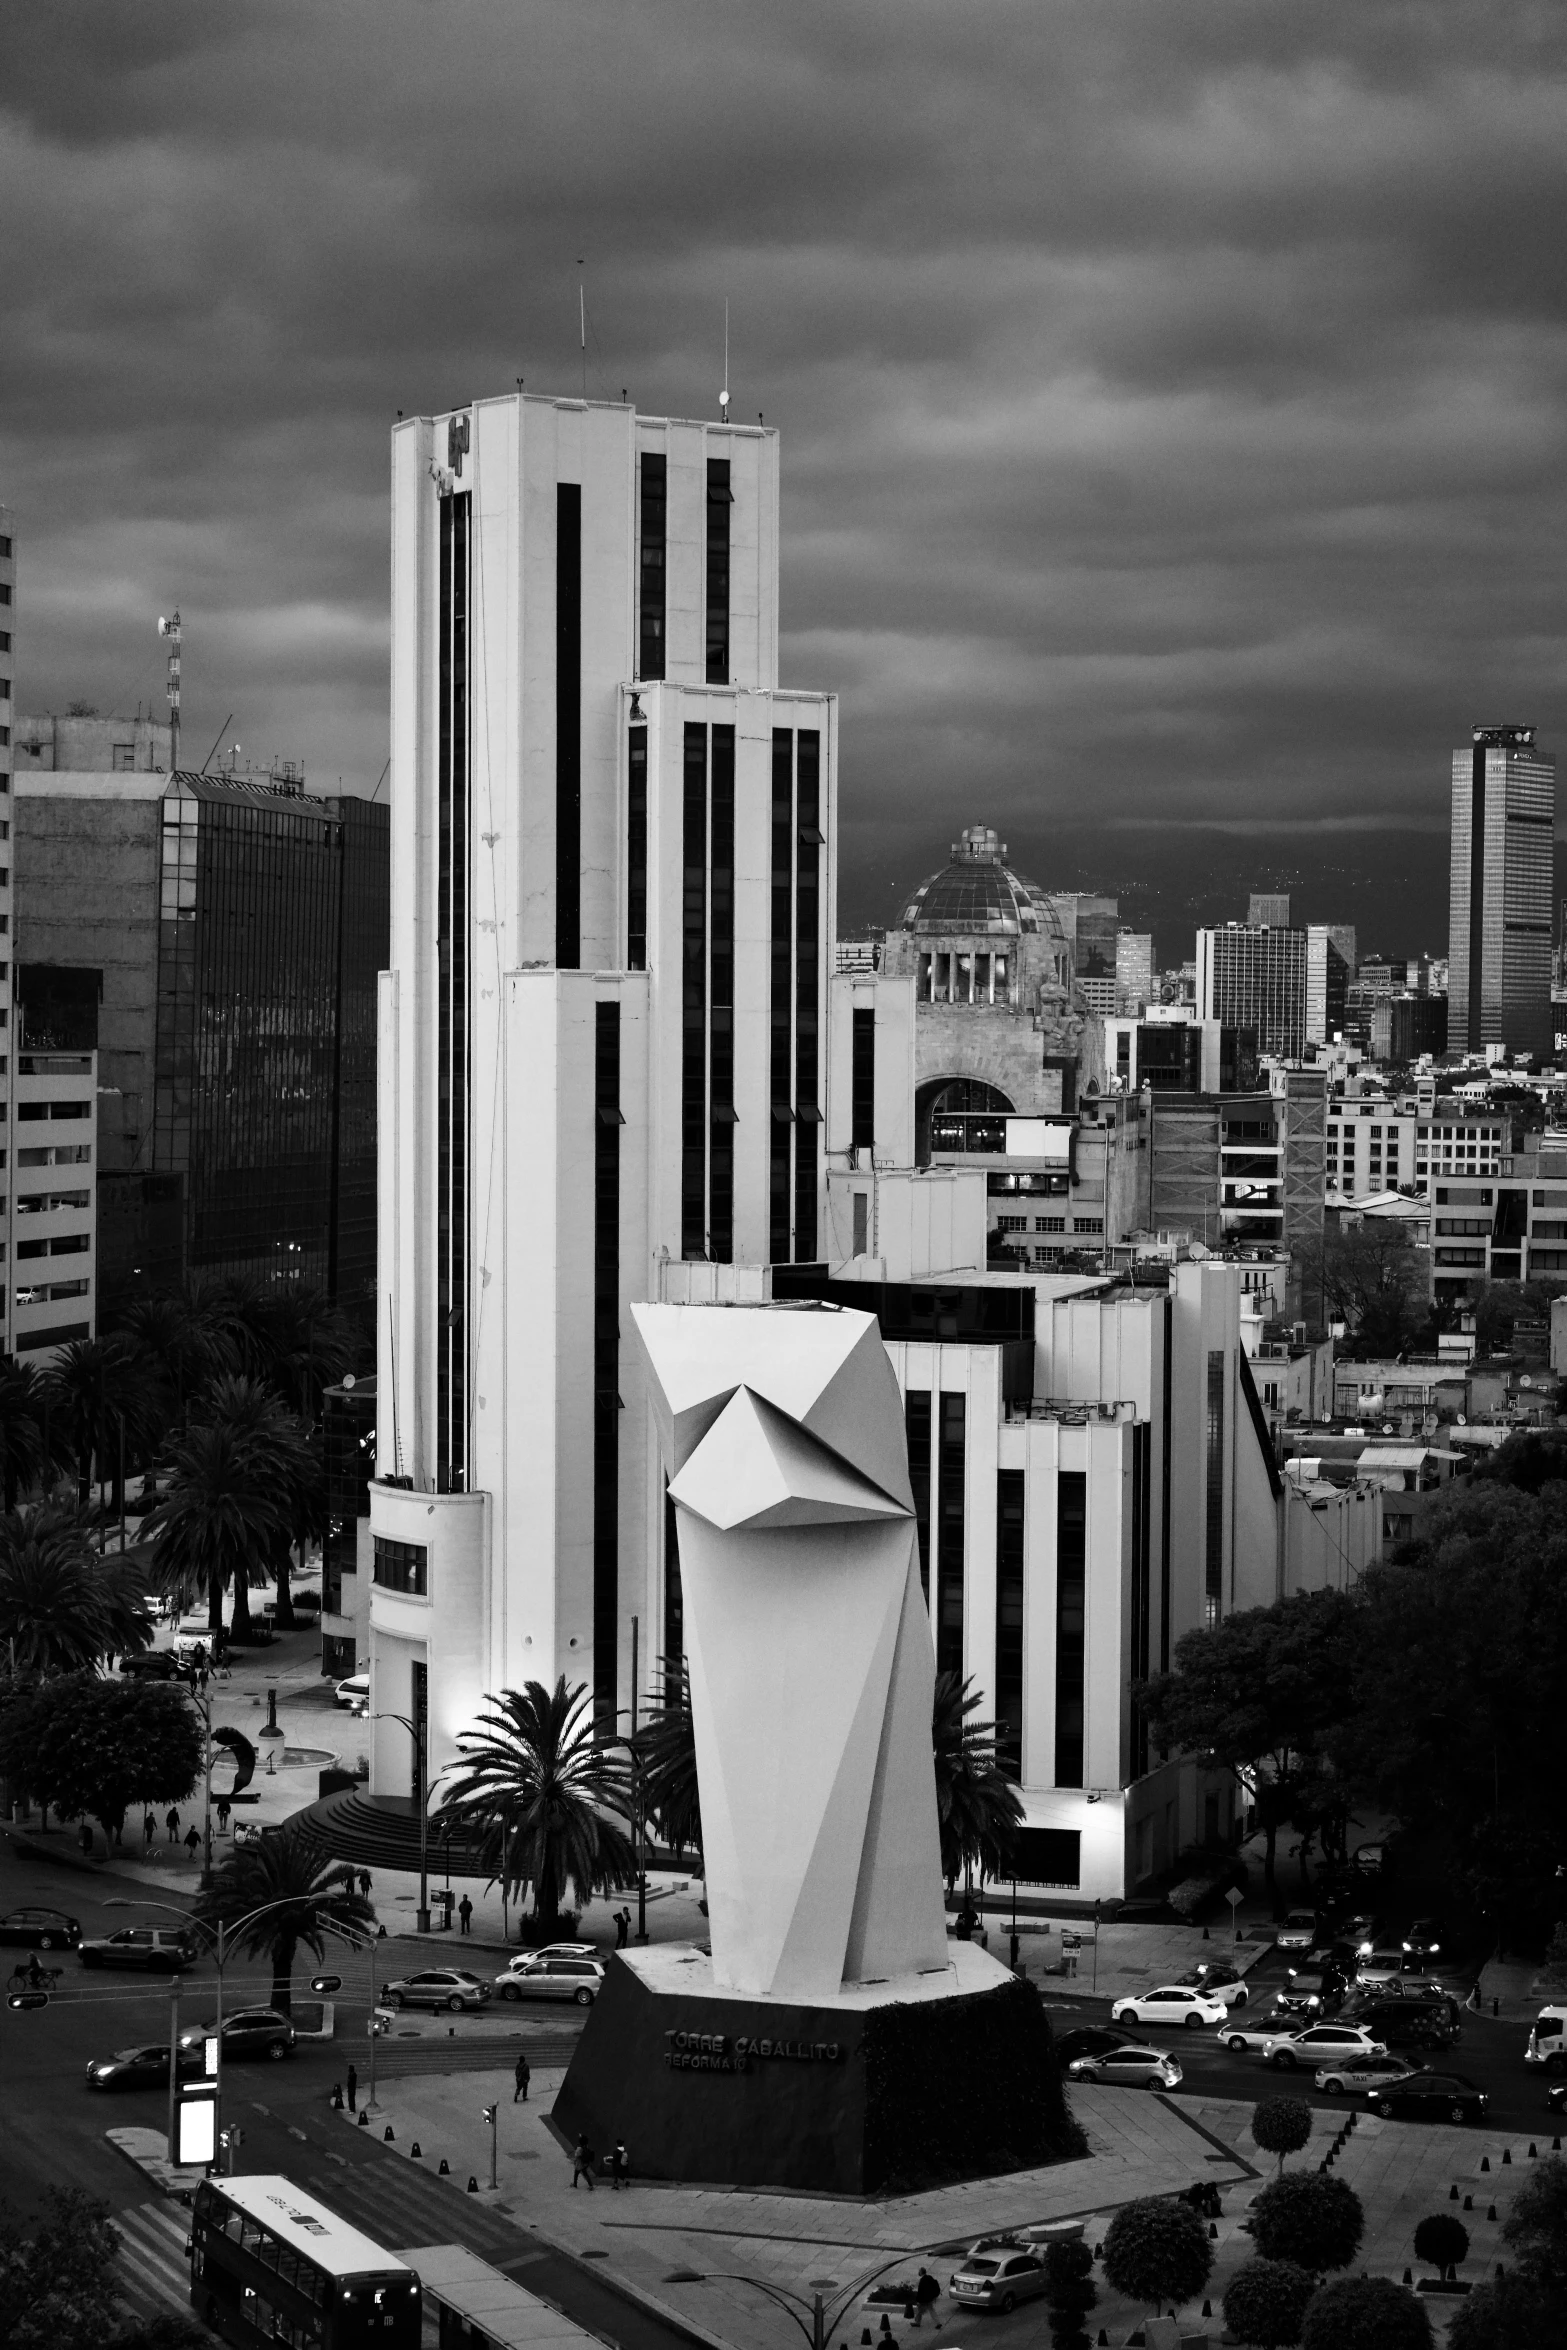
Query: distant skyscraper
(1255, 978)
(1268, 910)
(1330, 966)
(1499, 932)
(1135, 985)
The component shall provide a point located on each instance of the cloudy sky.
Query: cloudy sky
(1172, 391)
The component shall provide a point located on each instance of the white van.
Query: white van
(1548, 2040)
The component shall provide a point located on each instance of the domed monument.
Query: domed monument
(1001, 1024)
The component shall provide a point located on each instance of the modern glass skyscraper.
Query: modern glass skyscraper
(1255, 978)
(1499, 929)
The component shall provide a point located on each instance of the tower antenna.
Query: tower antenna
(582, 325)
(723, 397)
(171, 629)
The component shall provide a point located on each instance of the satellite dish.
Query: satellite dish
(1198, 1249)
(1462, 1422)
(1526, 1381)
(1387, 1428)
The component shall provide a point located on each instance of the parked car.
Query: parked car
(1171, 2003)
(1298, 1931)
(1548, 2040)
(1362, 2073)
(249, 2031)
(534, 1976)
(556, 1950)
(153, 1948)
(1431, 2097)
(39, 1929)
(1378, 1968)
(1321, 2044)
(1219, 1980)
(1129, 2068)
(146, 2067)
(1093, 2040)
(354, 1692)
(996, 2276)
(451, 1987)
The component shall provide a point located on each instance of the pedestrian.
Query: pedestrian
(465, 1912)
(353, 2088)
(524, 2074)
(149, 1828)
(84, 1838)
(619, 2168)
(364, 1884)
(622, 1927)
(581, 2163)
(926, 2295)
(191, 1841)
(171, 1820)
(223, 1815)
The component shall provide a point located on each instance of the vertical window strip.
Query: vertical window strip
(780, 1177)
(693, 1000)
(719, 502)
(916, 1424)
(636, 850)
(721, 997)
(1213, 1531)
(1071, 1622)
(1165, 1475)
(606, 1357)
(674, 1599)
(950, 1479)
(862, 1082)
(1010, 1527)
(807, 1111)
(1142, 1461)
(568, 724)
(650, 649)
(452, 1017)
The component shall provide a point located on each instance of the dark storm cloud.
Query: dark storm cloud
(1172, 392)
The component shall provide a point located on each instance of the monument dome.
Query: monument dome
(977, 894)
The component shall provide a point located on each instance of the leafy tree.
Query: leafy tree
(1368, 1274)
(1442, 2241)
(547, 1797)
(61, 1605)
(1265, 2303)
(1536, 2226)
(1070, 2293)
(1281, 2125)
(1365, 2313)
(94, 1748)
(1513, 2313)
(1532, 1458)
(1157, 2250)
(304, 1897)
(167, 2331)
(667, 1741)
(1257, 1695)
(59, 2287)
(1309, 2217)
(217, 1521)
(977, 1810)
(33, 1449)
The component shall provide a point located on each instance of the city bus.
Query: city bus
(269, 2264)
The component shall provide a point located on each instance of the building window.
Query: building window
(1011, 1223)
(781, 1068)
(1050, 1223)
(1010, 1493)
(950, 1480)
(862, 1082)
(807, 952)
(693, 999)
(568, 724)
(674, 1598)
(1213, 1560)
(1088, 1223)
(606, 1356)
(651, 657)
(721, 1000)
(861, 1211)
(636, 850)
(402, 1566)
(916, 1424)
(452, 1061)
(719, 501)
(1071, 1622)
(1142, 1580)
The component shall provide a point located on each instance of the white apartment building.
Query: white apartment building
(1377, 1145)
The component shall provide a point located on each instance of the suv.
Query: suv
(152, 1948)
(1406, 2022)
(250, 2031)
(533, 1976)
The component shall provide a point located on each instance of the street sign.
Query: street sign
(1235, 1897)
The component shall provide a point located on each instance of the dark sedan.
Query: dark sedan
(1556, 2097)
(1094, 2040)
(1431, 2097)
(40, 1929)
(136, 2068)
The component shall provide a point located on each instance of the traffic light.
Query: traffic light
(323, 1984)
(489, 2113)
(28, 1999)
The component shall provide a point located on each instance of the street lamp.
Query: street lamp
(419, 1733)
(816, 2319)
(368, 1943)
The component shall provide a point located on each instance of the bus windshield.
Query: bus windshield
(271, 2264)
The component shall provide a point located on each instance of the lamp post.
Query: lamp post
(367, 1943)
(817, 2319)
(419, 1733)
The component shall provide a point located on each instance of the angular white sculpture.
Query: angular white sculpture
(812, 1669)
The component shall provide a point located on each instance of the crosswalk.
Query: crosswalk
(154, 2269)
(398, 2203)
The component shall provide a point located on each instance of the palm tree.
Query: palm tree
(667, 1744)
(289, 1455)
(547, 1798)
(32, 1447)
(977, 1810)
(184, 1338)
(217, 1521)
(62, 1607)
(309, 1346)
(305, 1898)
(101, 1395)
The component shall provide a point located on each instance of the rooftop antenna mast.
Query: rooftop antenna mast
(582, 325)
(171, 629)
(723, 397)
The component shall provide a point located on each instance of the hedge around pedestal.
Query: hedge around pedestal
(963, 2089)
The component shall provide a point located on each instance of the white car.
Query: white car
(1172, 2003)
(1378, 1968)
(354, 1692)
(1129, 2068)
(1367, 2073)
(1321, 2044)
(1298, 1932)
(1246, 2038)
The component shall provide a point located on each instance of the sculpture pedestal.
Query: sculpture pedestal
(901, 2085)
